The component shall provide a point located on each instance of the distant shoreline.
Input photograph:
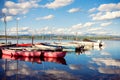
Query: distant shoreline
(61, 38)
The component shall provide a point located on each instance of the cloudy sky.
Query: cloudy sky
(100, 17)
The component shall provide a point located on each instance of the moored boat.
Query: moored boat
(21, 53)
(47, 47)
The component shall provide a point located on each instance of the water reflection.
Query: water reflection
(94, 64)
(35, 59)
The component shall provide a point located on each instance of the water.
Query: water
(97, 64)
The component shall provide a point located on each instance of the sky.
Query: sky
(62, 17)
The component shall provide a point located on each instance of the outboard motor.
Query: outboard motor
(1, 53)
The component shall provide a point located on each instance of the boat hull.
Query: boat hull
(21, 53)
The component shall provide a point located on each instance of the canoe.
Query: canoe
(33, 53)
(56, 54)
(21, 53)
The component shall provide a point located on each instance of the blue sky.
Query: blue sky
(99, 17)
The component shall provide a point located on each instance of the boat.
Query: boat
(67, 46)
(56, 54)
(33, 53)
(21, 53)
(8, 45)
(47, 47)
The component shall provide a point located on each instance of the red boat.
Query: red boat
(56, 54)
(21, 53)
(33, 53)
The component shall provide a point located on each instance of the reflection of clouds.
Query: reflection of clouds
(109, 70)
(22, 69)
(105, 53)
(106, 61)
(74, 67)
(88, 53)
(92, 67)
(59, 75)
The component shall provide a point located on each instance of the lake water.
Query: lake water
(95, 64)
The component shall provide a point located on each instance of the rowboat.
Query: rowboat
(33, 53)
(47, 47)
(56, 54)
(21, 53)
(66, 46)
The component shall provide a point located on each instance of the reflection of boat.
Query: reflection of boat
(35, 59)
(56, 60)
(56, 54)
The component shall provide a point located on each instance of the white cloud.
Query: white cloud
(107, 61)
(21, 30)
(80, 25)
(109, 7)
(58, 3)
(73, 10)
(106, 11)
(106, 24)
(13, 8)
(106, 15)
(94, 29)
(45, 17)
(8, 18)
(92, 10)
(77, 26)
(88, 24)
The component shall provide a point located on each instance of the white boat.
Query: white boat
(45, 47)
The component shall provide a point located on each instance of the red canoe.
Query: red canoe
(33, 53)
(21, 53)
